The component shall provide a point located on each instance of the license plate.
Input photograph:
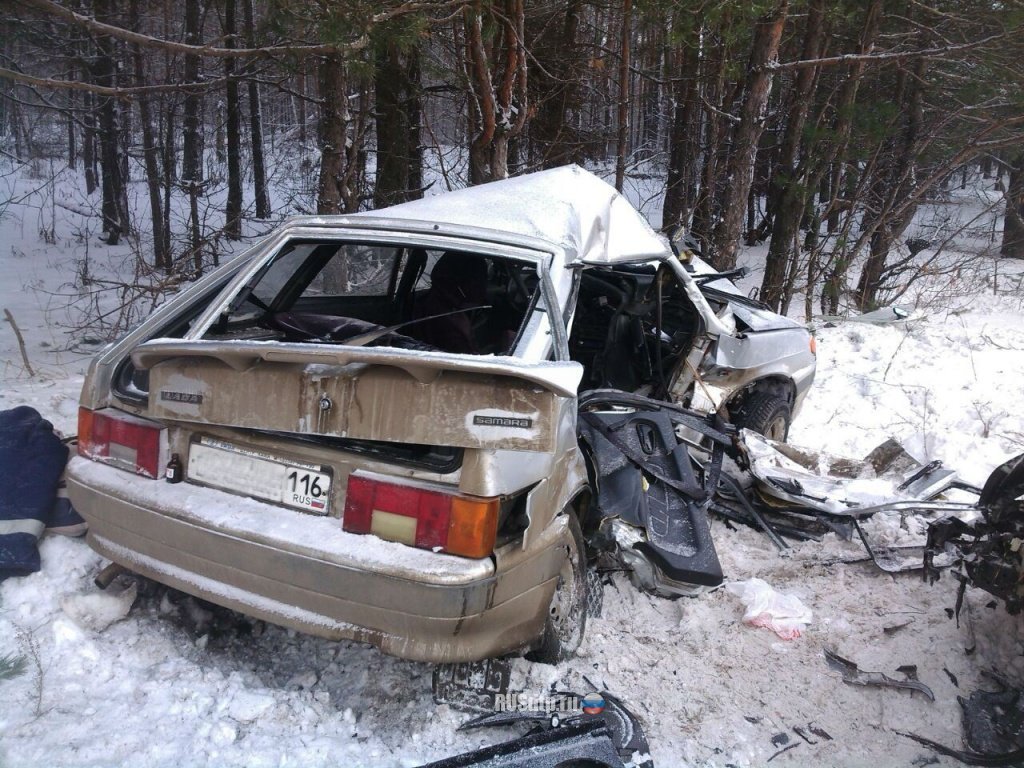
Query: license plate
(292, 484)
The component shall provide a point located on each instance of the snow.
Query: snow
(173, 683)
(566, 206)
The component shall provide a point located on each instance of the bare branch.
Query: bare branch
(884, 56)
(102, 90)
(54, 9)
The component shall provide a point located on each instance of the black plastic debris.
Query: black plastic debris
(987, 552)
(853, 675)
(585, 742)
(1012, 758)
(994, 720)
(624, 729)
(794, 745)
(647, 480)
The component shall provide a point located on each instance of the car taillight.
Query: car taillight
(421, 517)
(121, 439)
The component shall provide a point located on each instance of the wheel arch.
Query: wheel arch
(780, 386)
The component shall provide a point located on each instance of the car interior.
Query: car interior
(632, 326)
(385, 295)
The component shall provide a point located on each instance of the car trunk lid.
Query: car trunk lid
(361, 393)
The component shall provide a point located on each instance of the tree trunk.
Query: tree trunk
(150, 156)
(170, 168)
(300, 105)
(192, 137)
(332, 134)
(1013, 221)
(399, 159)
(764, 49)
(414, 119)
(72, 149)
(555, 137)
(684, 146)
(832, 159)
(714, 98)
(88, 142)
(233, 208)
(897, 184)
(497, 73)
(787, 191)
(259, 170)
(115, 198)
(622, 120)
(192, 123)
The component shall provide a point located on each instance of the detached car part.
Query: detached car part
(988, 553)
(585, 743)
(651, 504)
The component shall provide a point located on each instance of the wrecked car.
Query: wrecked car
(364, 427)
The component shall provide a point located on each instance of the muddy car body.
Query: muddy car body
(363, 458)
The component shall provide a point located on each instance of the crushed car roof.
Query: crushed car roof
(567, 206)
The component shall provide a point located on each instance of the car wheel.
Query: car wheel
(768, 414)
(567, 615)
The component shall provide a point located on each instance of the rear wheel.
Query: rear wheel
(567, 615)
(767, 414)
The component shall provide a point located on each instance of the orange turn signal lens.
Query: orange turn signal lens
(473, 527)
(814, 346)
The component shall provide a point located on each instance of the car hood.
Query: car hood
(756, 319)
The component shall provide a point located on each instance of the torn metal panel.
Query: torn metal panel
(993, 724)
(888, 477)
(854, 675)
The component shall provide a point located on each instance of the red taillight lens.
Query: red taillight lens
(121, 439)
(421, 517)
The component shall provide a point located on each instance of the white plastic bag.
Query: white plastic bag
(784, 614)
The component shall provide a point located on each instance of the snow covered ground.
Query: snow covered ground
(173, 684)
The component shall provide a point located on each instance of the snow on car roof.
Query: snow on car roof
(567, 206)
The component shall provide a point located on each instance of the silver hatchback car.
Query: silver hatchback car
(365, 426)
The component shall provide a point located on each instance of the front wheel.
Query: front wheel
(567, 615)
(768, 414)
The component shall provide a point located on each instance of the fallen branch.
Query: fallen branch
(21, 342)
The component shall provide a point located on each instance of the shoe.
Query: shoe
(63, 518)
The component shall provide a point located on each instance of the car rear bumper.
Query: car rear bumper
(304, 572)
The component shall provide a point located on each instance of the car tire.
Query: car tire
(566, 621)
(766, 414)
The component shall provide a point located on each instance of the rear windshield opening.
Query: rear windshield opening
(369, 294)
